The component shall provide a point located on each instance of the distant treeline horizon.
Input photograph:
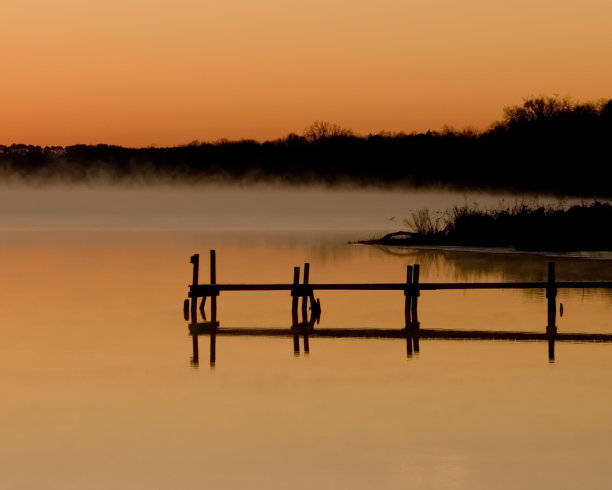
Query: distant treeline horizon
(545, 145)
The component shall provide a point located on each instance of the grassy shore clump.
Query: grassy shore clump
(521, 226)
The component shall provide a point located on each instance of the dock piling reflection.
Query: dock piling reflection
(415, 342)
(195, 359)
(296, 345)
(551, 348)
(213, 349)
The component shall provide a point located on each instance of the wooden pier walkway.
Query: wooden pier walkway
(411, 329)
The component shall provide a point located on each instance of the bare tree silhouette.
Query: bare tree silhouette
(319, 130)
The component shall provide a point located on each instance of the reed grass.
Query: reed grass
(519, 225)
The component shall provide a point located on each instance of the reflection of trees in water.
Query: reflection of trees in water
(446, 265)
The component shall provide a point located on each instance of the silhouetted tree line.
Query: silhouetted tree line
(547, 144)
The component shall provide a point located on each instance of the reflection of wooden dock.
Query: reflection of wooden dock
(411, 288)
(412, 336)
(394, 333)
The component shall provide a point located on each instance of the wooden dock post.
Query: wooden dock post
(415, 298)
(551, 295)
(408, 297)
(295, 297)
(411, 318)
(305, 298)
(195, 260)
(414, 312)
(213, 280)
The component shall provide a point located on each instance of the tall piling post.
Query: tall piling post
(415, 298)
(407, 305)
(295, 297)
(213, 280)
(551, 296)
(195, 260)
(408, 297)
(414, 311)
(305, 297)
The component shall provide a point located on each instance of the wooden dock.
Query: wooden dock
(411, 330)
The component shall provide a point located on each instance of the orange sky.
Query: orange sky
(135, 72)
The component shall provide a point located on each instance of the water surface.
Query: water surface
(99, 391)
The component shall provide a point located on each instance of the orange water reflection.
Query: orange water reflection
(99, 393)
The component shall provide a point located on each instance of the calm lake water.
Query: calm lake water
(99, 391)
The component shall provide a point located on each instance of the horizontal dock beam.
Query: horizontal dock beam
(200, 290)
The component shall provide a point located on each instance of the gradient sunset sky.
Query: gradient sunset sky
(136, 73)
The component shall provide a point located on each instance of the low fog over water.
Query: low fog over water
(222, 207)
